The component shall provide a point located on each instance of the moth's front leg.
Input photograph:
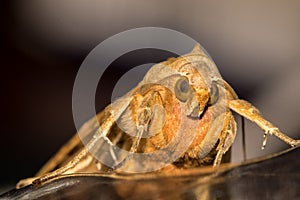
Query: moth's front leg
(226, 138)
(110, 117)
(247, 110)
(144, 120)
(57, 160)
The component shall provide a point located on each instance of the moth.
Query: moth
(177, 118)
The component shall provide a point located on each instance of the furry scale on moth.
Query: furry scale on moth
(183, 102)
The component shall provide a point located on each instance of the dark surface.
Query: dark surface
(271, 178)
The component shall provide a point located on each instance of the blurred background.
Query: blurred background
(255, 44)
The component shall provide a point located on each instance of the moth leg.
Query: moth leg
(144, 114)
(60, 156)
(102, 132)
(247, 110)
(226, 138)
(78, 157)
(132, 149)
(72, 163)
(73, 145)
(55, 161)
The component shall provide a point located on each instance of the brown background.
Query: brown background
(255, 44)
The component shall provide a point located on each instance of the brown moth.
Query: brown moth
(182, 106)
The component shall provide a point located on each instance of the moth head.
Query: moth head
(190, 78)
(196, 87)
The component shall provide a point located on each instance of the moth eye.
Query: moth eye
(182, 89)
(214, 94)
